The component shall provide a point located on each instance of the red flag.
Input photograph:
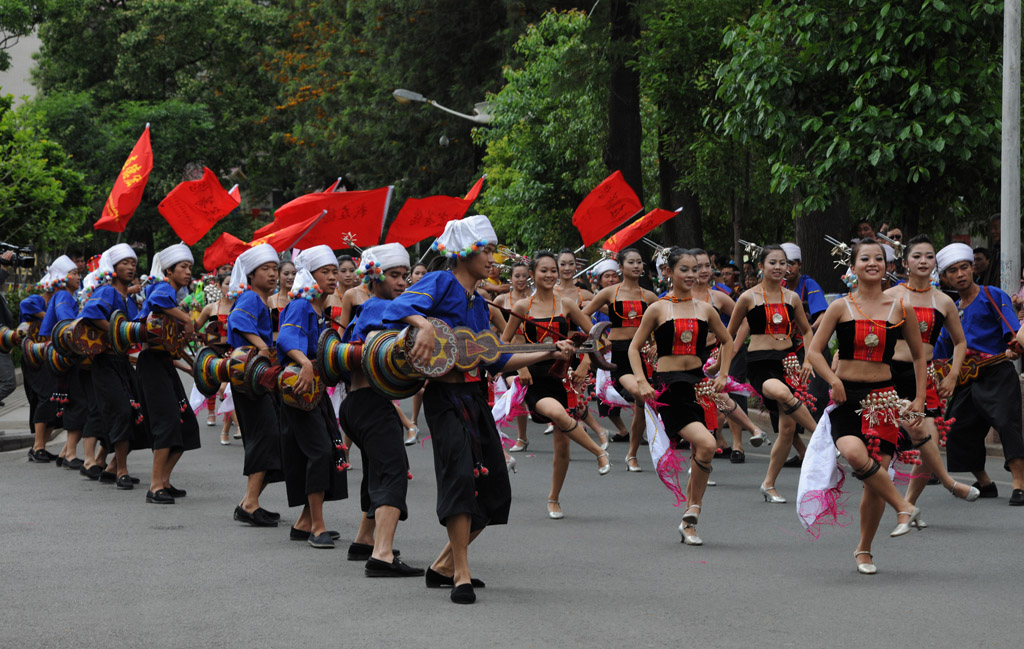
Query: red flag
(288, 236)
(195, 206)
(637, 229)
(224, 250)
(608, 206)
(336, 186)
(126, 194)
(351, 217)
(423, 218)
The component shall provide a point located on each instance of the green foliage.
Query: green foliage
(42, 198)
(897, 105)
(17, 18)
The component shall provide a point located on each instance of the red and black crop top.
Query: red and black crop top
(771, 319)
(534, 334)
(930, 321)
(627, 313)
(868, 340)
(682, 337)
(332, 313)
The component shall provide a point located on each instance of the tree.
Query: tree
(42, 198)
(17, 19)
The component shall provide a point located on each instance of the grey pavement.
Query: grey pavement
(86, 565)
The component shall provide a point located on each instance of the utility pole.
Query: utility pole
(1009, 198)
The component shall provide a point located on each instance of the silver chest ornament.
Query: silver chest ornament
(777, 318)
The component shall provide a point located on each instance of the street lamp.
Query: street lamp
(479, 116)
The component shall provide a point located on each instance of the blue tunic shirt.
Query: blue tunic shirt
(62, 306)
(811, 294)
(439, 295)
(300, 329)
(984, 329)
(160, 297)
(29, 306)
(371, 318)
(104, 301)
(249, 315)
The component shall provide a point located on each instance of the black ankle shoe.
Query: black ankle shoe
(322, 541)
(1017, 498)
(437, 580)
(463, 594)
(161, 497)
(988, 491)
(274, 516)
(256, 519)
(75, 464)
(737, 457)
(378, 568)
(175, 493)
(37, 456)
(125, 482)
(60, 461)
(93, 472)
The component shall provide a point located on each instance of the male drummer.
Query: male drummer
(370, 420)
(992, 398)
(172, 422)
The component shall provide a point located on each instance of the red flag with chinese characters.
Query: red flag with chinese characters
(637, 229)
(224, 250)
(289, 236)
(353, 217)
(195, 206)
(608, 206)
(126, 194)
(424, 218)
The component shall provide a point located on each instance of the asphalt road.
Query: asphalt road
(86, 565)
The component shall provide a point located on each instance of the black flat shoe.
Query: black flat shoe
(48, 454)
(363, 552)
(133, 479)
(106, 477)
(463, 594)
(737, 457)
(125, 482)
(274, 516)
(794, 462)
(161, 497)
(620, 438)
(75, 464)
(298, 535)
(60, 461)
(322, 541)
(988, 491)
(437, 580)
(1017, 498)
(175, 493)
(37, 456)
(378, 568)
(93, 472)
(256, 519)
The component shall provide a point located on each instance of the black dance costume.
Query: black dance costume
(766, 364)
(627, 313)
(543, 383)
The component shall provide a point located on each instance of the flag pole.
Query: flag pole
(295, 244)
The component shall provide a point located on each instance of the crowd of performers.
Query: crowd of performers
(885, 375)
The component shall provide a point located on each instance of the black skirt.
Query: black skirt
(172, 423)
(763, 365)
(310, 454)
(620, 357)
(371, 421)
(845, 419)
(543, 386)
(115, 393)
(261, 435)
(465, 440)
(680, 398)
(43, 385)
(93, 419)
(76, 410)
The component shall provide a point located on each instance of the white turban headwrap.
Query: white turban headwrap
(954, 253)
(113, 256)
(605, 265)
(57, 272)
(465, 237)
(306, 262)
(167, 257)
(379, 259)
(246, 263)
(792, 252)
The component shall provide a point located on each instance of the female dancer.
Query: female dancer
(680, 325)
(253, 279)
(313, 456)
(218, 311)
(867, 337)
(604, 274)
(722, 303)
(520, 290)
(770, 311)
(934, 309)
(545, 394)
(472, 491)
(418, 271)
(347, 278)
(626, 303)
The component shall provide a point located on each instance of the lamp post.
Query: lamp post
(1009, 253)
(479, 116)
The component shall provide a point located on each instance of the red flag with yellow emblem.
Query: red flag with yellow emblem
(126, 194)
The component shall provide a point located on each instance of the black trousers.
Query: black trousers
(42, 384)
(991, 400)
(76, 410)
(261, 435)
(372, 423)
(172, 423)
(464, 439)
(310, 454)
